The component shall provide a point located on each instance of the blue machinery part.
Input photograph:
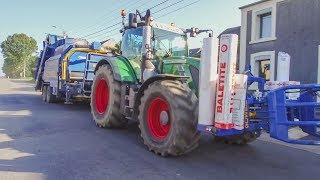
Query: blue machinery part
(275, 113)
(284, 113)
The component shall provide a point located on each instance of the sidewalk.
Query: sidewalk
(20, 86)
(294, 133)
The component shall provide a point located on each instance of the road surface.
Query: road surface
(57, 141)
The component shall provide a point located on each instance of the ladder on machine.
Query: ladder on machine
(88, 75)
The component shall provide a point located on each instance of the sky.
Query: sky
(92, 19)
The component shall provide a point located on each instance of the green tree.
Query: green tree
(32, 66)
(18, 51)
(8, 69)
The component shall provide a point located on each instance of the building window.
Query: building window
(263, 65)
(265, 25)
(264, 69)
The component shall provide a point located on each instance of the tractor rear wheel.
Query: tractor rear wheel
(105, 99)
(167, 122)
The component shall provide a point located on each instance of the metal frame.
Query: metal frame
(301, 113)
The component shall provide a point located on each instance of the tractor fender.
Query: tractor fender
(122, 70)
(116, 73)
(151, 80)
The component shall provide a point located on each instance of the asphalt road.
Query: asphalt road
(57, 141)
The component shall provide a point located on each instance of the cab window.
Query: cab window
(77, 61)
(132, 44)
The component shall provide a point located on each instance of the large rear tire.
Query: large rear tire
(105, 99)
(167, 122)
(50, 97)
(44, 93)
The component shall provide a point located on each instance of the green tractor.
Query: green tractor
(152, 81)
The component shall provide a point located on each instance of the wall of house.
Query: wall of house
(297, 33)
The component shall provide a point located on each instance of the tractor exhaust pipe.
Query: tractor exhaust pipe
(147, 68)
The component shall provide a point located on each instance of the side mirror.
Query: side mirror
(133, 20)
(195, 31)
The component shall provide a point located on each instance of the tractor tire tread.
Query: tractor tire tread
(241, 139)
(183, 136)
(112, 117)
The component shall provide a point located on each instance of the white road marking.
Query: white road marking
(10, 175)
(16, 113)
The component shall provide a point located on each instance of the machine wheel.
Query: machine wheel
(242, 139)
(44, 93)
(50, 97)
(167, 122)
(105, 99)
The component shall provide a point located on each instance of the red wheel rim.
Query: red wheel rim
(157, 129)
(101, 96)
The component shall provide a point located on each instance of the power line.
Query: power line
(141, 12)
(96, 32)
(105, 15)
(109, 21)
(81, 26)
(101, 30)
(111, 36)
(118, 17)
(114, 29)
(158, 4)
(178, 9)
(168, 6)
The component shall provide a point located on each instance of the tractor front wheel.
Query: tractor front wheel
(167, 122)
(105, 99)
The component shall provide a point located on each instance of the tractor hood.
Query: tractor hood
(186, 66)
(182, 60)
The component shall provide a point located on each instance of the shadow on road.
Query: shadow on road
(14, 153)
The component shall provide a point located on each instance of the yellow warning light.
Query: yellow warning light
(123, 12)
(172, 24)
(252, 114)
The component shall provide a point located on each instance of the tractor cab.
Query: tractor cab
(164, 42)
(167, 42)
(149, 44)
